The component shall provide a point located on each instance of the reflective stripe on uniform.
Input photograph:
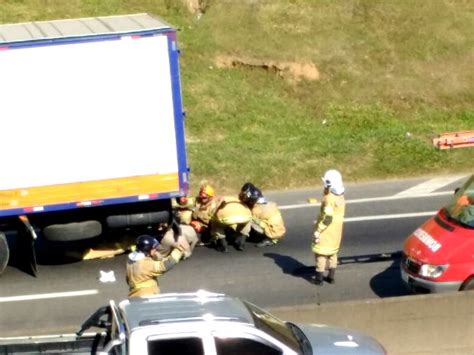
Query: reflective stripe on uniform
(144, 284)
(323, 250)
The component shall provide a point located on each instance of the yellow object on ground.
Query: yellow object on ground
(110, 248)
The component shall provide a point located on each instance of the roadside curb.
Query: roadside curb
(418, 324)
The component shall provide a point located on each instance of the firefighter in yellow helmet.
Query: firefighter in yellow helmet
(205, 207)
(328, 227)
(143, 269)
(267, 221)
(231, 219)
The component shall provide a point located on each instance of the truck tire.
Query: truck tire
(72, 231)
(4, 252)
(137, 219)
(468, 285)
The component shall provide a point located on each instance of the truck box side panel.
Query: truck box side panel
(88, 120)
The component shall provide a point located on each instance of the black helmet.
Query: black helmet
(250, 193)
(145, 243)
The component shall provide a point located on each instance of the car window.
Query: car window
(177, 346)
(240, 346)
(273, 327)
(461, 208)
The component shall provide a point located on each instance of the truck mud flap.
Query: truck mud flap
(26, 245)
(4, 252)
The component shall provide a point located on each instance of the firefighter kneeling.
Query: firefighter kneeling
(267, 221)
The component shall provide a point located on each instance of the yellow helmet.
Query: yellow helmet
(206, 191)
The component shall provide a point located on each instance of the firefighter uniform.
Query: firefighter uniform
(183, 209)
(202, 214)
(267, 220)
(185, 236)
(231, 215)
(142, 272)
(329, 227)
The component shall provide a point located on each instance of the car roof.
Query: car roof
(184, 307)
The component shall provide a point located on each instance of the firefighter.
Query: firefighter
(183, 208)
(267, 221)
(232, 218)
(328, 227)
(170, 236)
(206, 204)
(143, 269)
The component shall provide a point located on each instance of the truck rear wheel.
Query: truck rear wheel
(4, 252)
(468, 285)
(72, 231)
(137, 219)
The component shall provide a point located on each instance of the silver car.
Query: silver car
(211, 323)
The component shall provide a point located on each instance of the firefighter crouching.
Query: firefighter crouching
(267, 221)
(183, 208)
(328, 228)
(233, 218)
(204, 209)
(143, 269)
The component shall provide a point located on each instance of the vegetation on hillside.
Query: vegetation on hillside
(277, 91)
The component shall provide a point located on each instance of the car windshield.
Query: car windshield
(461, 208)
(277, 328)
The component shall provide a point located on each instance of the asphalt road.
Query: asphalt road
(379, 217)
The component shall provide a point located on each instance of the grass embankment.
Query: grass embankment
(372, 83)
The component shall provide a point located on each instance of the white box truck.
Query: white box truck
(92, 128)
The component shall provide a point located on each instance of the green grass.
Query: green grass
(393, 74)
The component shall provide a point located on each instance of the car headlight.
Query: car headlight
(432, 271)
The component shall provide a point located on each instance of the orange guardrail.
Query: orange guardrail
(450, 140)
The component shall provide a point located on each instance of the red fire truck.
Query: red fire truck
(439, 255)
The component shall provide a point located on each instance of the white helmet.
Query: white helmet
(332, 179)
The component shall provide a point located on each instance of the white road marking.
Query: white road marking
(389, 216)
(371, 199)
(429, 186)
(48, 295)
(414, 192)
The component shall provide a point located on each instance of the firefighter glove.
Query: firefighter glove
(316, 237)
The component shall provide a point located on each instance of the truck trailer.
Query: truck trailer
(92, 129)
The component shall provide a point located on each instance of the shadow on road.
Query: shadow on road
(385, 284)
(292, 266)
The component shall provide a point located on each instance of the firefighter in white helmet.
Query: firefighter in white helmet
(328, 227)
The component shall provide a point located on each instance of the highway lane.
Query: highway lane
(273, 276)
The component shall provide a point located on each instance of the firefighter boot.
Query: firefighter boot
(317, 279)
(222, 245)
(266, 242)
(239, 241)
(331, 276)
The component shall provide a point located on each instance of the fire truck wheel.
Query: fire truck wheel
(72, 231)
(468, 285)
(4, 252)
